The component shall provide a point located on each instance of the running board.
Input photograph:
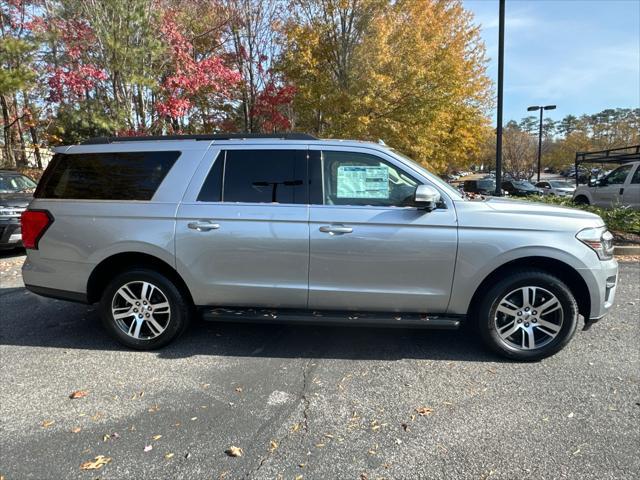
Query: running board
(320, 317)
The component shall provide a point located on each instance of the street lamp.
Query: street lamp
(541, 108)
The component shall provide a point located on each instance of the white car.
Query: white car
(560, 188)
(620, 187)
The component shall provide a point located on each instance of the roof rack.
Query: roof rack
(613, 155)
(203, 137)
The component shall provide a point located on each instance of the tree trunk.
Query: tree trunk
(8, 144)
(33, 130)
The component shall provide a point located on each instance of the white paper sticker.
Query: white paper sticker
(363, 182)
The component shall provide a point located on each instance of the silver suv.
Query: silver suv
(305, 230)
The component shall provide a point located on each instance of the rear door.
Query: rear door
(611, 191)
(631, 194)
(242, 237)
(371, 248)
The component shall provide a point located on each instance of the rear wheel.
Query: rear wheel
(529, 315)
(581, 200)
(143, 309)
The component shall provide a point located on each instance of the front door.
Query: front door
(371, 249)
(611, 190)
(631, 195)
(242, 238)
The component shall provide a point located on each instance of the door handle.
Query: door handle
(335, 229)
(203, 226)
(621, 191)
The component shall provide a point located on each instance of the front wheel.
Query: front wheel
(529, 315)
(143, 309)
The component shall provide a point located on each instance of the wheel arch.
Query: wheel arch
(569, 276)
(121, 262)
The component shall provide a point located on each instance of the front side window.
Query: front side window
(636, 176)
(360, 179)
(257, 176)
(619, 175)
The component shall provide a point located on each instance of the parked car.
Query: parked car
(520, 188)
(304, 230)
(16, 191)
(560, 188)
(619, 187)
(484, 186)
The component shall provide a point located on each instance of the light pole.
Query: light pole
(498, 191)
(542, 109)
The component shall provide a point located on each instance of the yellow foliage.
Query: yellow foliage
(410, 72)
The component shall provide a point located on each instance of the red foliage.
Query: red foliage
(190, 77)
(68, 82)
(269, 105)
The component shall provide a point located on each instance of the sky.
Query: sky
(581, 55)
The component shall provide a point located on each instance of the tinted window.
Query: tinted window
(105, 176)
(212, 187)
(265, 176)
(352, 178)
(619, 175)
(636, 176)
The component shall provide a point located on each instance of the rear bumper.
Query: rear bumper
(58, 294)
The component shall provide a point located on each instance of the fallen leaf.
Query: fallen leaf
(76, 430)
(105, 438)
(273, 445)
(295, 427)
(319, 445)
(78, 394)
(157, 437)
(571, 415)
(48, 423)
(424, 411)
(97, 463)
(193, 419)
(239, 389)
(405, 427)
(168, 455)
(187, 456)
(148, 448)
(299, 477)
(234, 451)
(154, 409)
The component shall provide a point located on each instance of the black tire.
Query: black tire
(180, 310)
(581, 200)
(487, 316)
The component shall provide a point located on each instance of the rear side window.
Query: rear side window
(257, 176)
(105, 176)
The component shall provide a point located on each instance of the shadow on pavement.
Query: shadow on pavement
(29, 320)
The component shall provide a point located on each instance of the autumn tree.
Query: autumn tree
(361, 73)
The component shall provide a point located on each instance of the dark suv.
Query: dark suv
(16, 191)
(484, 186)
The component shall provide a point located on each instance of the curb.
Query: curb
(626, 250)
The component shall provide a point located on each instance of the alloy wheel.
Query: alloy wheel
(141, 310)
(528, 318)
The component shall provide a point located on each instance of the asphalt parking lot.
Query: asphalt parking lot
(311, 402)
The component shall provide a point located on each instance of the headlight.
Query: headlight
(599, 240)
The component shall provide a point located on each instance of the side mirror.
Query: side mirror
(426, 197)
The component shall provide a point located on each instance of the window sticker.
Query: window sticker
(363, 182)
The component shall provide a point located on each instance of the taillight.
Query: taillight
(33, 224)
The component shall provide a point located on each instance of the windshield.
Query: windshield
(436, 180)
(524, 185)
(561, 184)
(16, 183)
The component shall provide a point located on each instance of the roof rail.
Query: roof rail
(203, 137)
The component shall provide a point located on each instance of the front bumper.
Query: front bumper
(602, 283)
(10, 234)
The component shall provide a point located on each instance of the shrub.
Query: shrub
(618, 218)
